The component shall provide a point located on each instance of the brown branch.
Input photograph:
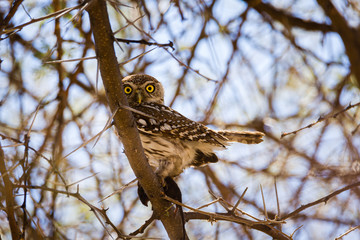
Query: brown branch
(38, 153)
(347, 232)
(321, 200)
(124, 121)
(348, 34)
(78, 196)
(9, 198)
(287, 19)
(321, 119)
(11, 13)
(55, 14)
(263, 226)
(142, 41)
(144, 226)
(266, 227)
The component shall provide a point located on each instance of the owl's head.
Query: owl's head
(142, 88)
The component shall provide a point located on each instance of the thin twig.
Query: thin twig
(238, 202)
(26, 173)
(208, 204)
(277, 201)
(347, 232)
(13, 9)
(142, 41)
(86, 142)
(9, 198)
(136, 57)
(321, 119)
(224, 216)
(97, 136)
(137, 111)
(122, 28)
(71, 60)
(264, 226)
(78, 196)
(263, 199)
(225, 204)
(107, 125)
(92, 175)
(324, 199)
(18, 142)
(190, 68)
(295, 231)
(220, 200)
(144, 226)
(83, 8)
(119, 190)
(55, 14)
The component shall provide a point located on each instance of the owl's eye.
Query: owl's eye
(127, 90)
(150, 88)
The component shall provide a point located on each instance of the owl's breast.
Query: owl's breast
(160, 149)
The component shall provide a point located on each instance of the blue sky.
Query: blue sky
(265, 64)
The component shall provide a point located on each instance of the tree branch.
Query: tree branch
(321, 119)
(349, 35)
(11, 13)
(142, 41)
(324, 199)
(124, 121)
(339, 25)
(267, 226)
(9, 198)
(287, 19)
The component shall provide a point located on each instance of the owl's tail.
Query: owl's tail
(246, 137)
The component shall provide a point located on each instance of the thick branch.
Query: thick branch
(124, 121)
(288, 19)
(11, 13)
(9, 198)
(262, 227)
(349, 35)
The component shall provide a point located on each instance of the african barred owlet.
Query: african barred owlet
(171, 141)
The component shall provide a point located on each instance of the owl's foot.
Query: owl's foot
(171, 189)
(142, 195)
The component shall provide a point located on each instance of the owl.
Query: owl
(171, 141)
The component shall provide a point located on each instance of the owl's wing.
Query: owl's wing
(162, 120)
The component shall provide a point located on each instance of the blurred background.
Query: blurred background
(272, 66)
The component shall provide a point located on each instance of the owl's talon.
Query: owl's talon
(144, 199)
(170, 189)
(162, 182)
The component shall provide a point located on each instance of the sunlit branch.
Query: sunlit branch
(321, 119)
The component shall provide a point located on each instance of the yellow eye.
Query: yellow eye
(127, 90)
(150, 88)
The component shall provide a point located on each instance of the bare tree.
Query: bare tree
(287, 69)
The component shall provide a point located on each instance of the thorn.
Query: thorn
(263, 198)
(238, 202)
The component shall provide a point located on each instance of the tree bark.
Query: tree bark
(9, 198)
(349, 35)
(124, 121)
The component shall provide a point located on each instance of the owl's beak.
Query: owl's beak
(139, 97)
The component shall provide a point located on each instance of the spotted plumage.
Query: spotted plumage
(171, 141)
